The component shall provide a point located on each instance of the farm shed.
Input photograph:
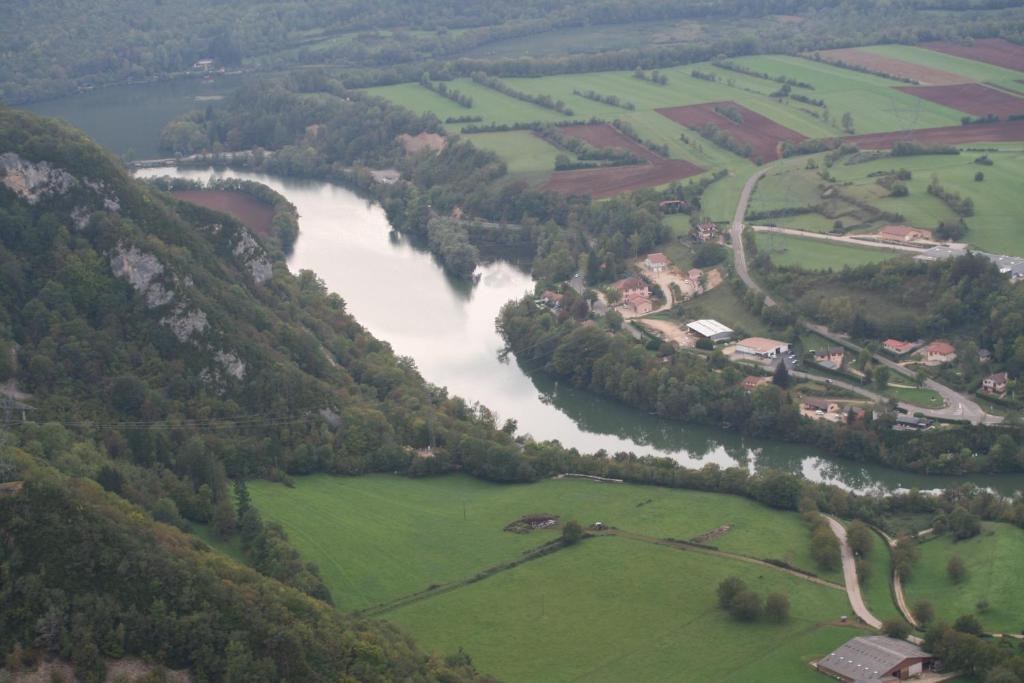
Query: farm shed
(710, 329)
(876, 658)
(762, 347)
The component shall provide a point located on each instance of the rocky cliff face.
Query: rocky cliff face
(159, 287)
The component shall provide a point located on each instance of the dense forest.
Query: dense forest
(54, 47)
(964, 298)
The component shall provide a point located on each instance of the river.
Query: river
(400, 293)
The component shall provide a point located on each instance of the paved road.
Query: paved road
(850, 576)
(736, 234)
(958, 406)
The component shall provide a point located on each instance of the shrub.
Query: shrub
(956, 569)
(746, 606)
(859, 537)
(572, 532)
(728, 589)
(923, 612)
(825, 548)
(968, 623)
(895, 628)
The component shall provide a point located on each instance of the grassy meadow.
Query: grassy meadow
(612, 609)
(815, 254)
(877, 591)
(993, 562)
(445, 529)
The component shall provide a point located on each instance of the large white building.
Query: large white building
(710, 329)
(761, 347)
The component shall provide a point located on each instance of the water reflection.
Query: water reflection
(400, 293)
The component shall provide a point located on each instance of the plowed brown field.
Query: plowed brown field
(894, 67)
(605, 182)
(248, 210)
(994, 51)
(1003, 131)
(761, 133)
(971, 98)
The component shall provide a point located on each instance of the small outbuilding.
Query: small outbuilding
(876, 658)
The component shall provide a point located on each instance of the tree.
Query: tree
(968, 623)
(859, 536)
(923, 612)
(979, 176)
(728, 589)
(572, 532)
(614, 320)
(863, 571)
(895, 628)
(825, 548)
(780, 377)
(746, 606)
(776, 608)
(963, 524)
(904, 555)
(956, 569)
(881, 377)
(847, 122)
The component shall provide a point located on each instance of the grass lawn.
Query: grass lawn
(994, 560)
(378, 537)
(874, 103)
(816, 254)
(722, 304)
(926, 398)
(995, 226)
(232, 548)
(785, 187)
(527, 155)
(876, 590)
(612, 609)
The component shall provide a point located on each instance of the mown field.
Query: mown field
(816, 254)
(612, 609)
(377, 538)
(993, 559)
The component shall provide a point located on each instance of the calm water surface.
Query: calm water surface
(401, 295)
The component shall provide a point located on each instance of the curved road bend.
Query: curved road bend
(958, 406)
(850, 576)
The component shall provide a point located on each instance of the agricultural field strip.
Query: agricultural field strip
(994, 51)
(974, 70)
(924, 75)
(970, 98)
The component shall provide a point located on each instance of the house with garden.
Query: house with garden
(831, 357)
(939, 352)
(995, 383)
(632, 285)
(897, 347)
(657, 262)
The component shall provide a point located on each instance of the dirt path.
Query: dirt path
(718, 553)
(850, 576)
(671, 331)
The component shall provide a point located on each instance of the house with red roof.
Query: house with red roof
(939, 352)
(657, 262)
(897, 347)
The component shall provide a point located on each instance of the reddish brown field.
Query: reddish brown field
(1003, 131)
(994, 51)
(971, 98)
(894, 67)
(604, 135)
(606, 182)
(248, 210)
(761, 133)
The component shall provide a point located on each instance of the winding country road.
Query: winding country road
(850, 576)
(958, 406)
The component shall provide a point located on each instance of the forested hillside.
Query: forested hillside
(52, 48)
(85, 578)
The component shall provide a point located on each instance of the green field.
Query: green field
(722, 304)
(994, 560)
(877, 591)
(918, 396)
(613, 609)
(448, 528)
(527, 155)
(816, 254)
